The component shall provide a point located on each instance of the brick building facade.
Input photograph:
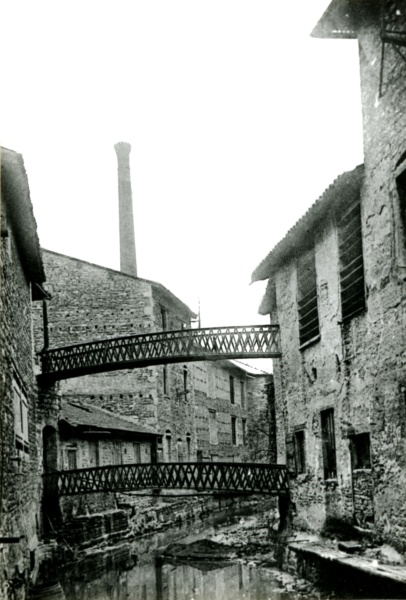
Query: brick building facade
(92, 437)
(337, 288)
(178, 400)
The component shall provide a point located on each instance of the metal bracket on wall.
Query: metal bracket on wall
(393, 32)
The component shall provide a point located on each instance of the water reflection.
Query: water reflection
(161, 580)
(137, 572)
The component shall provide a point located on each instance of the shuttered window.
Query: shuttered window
(351, 262)
(307, 297)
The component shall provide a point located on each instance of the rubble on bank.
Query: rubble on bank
(310, 561)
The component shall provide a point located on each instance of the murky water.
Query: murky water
(139, 573)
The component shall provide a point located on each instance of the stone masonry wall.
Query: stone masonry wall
(212, 395)
(20, 483)
(379, 366)
(357, 368)
(92, 302)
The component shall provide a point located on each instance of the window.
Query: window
(307, 297)
(164, 315)
(328, 442)
(168, 446)
(213, 427)
(165, 379)
(244, 431)
(232, 397)
(94, 453)
(401, 187)
(137, 452)
(234, 431)
(299, 448)
(361, 451)
(72, 456)
(20, 418)
(185, 379)
(117, 453)
(242, 384)
(351, 262)
(180, 449)
(188, 447)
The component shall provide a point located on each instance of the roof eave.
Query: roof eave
(298, 236)
(342, 18)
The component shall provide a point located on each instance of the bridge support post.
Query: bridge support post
(285, 527)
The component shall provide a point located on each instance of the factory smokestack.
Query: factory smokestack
(128, 260)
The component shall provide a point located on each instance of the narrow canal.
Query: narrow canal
(142, 571)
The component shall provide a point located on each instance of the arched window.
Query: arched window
(180, 450)
(188, 447)
(168, 446)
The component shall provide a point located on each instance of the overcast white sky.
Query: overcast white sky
(238, 121)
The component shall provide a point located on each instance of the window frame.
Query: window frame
(299, 443)
(243, 396)
(213, 427)
(348, 228)
(244, 431)
(328, 440)
(232, 389)
(234, 439)
(307, 297)
(21, 424)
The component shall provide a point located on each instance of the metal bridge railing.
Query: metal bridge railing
(211, 343)
(215, 477)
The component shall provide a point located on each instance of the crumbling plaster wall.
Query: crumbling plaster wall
(310, 380)
(379, 368)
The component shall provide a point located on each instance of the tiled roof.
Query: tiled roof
(342, 18)
(79, 414)
(346, 184)
(16, 193)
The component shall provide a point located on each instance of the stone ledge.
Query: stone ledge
(366, 565)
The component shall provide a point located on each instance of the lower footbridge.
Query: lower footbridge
(218, 477)
(165, 347)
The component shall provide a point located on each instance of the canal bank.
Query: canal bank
(180, 541)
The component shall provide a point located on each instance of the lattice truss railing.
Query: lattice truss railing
(254, 341)
(215, 477)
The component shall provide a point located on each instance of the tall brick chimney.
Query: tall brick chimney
(128, 260)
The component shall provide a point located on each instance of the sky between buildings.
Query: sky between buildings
(237, 118)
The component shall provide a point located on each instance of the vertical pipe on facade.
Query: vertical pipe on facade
(128, 261)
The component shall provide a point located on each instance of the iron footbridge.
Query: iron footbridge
(142, 350)
(218, 477)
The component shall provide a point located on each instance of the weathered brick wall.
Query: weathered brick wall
(20, 489)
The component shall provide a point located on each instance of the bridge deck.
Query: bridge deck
(128, 352)
(200, 476)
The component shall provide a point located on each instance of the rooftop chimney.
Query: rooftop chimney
(128, 261)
